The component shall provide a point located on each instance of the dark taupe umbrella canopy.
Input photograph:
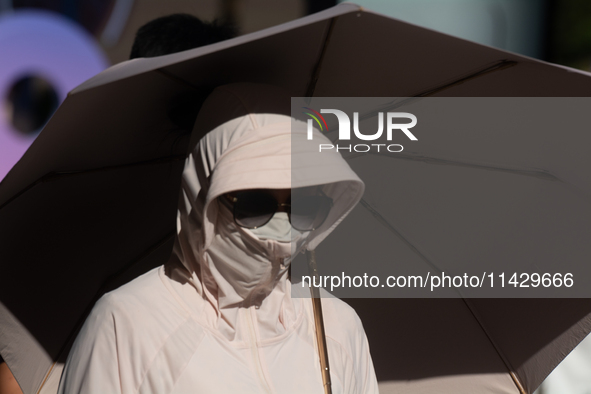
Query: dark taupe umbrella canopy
(92, 203)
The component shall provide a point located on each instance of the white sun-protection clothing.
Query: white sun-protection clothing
(219, 316)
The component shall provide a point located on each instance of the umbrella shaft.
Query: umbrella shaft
(319, 324)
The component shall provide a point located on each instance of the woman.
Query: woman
(219, 316)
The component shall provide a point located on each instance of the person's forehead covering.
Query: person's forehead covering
(249, 141)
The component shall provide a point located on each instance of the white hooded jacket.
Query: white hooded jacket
(219, 317)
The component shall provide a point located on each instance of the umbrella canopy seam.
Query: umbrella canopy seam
(58, 175)
(318, 66)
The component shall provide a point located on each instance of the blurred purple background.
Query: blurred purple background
(48, 47)
(44, 56)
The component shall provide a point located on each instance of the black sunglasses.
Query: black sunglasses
(255, 208)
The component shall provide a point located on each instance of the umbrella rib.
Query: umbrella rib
(57, 175)
(497, 349)
(318, 66)
(392, 229)
(382, 220)
(498, 66)
(533, 173)
(536, 173)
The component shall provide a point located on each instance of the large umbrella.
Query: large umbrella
(92, 202)
(492, 187)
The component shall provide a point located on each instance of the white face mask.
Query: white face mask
(279, 229)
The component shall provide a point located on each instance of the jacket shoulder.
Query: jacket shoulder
(128, 330)
(340, 319)
(144, 304)
(348, 346)
(146, 293)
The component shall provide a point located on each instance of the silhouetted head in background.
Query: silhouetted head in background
(176, 33)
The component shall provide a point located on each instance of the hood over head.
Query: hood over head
(245, 138)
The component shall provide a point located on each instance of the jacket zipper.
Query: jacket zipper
(255, 354)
